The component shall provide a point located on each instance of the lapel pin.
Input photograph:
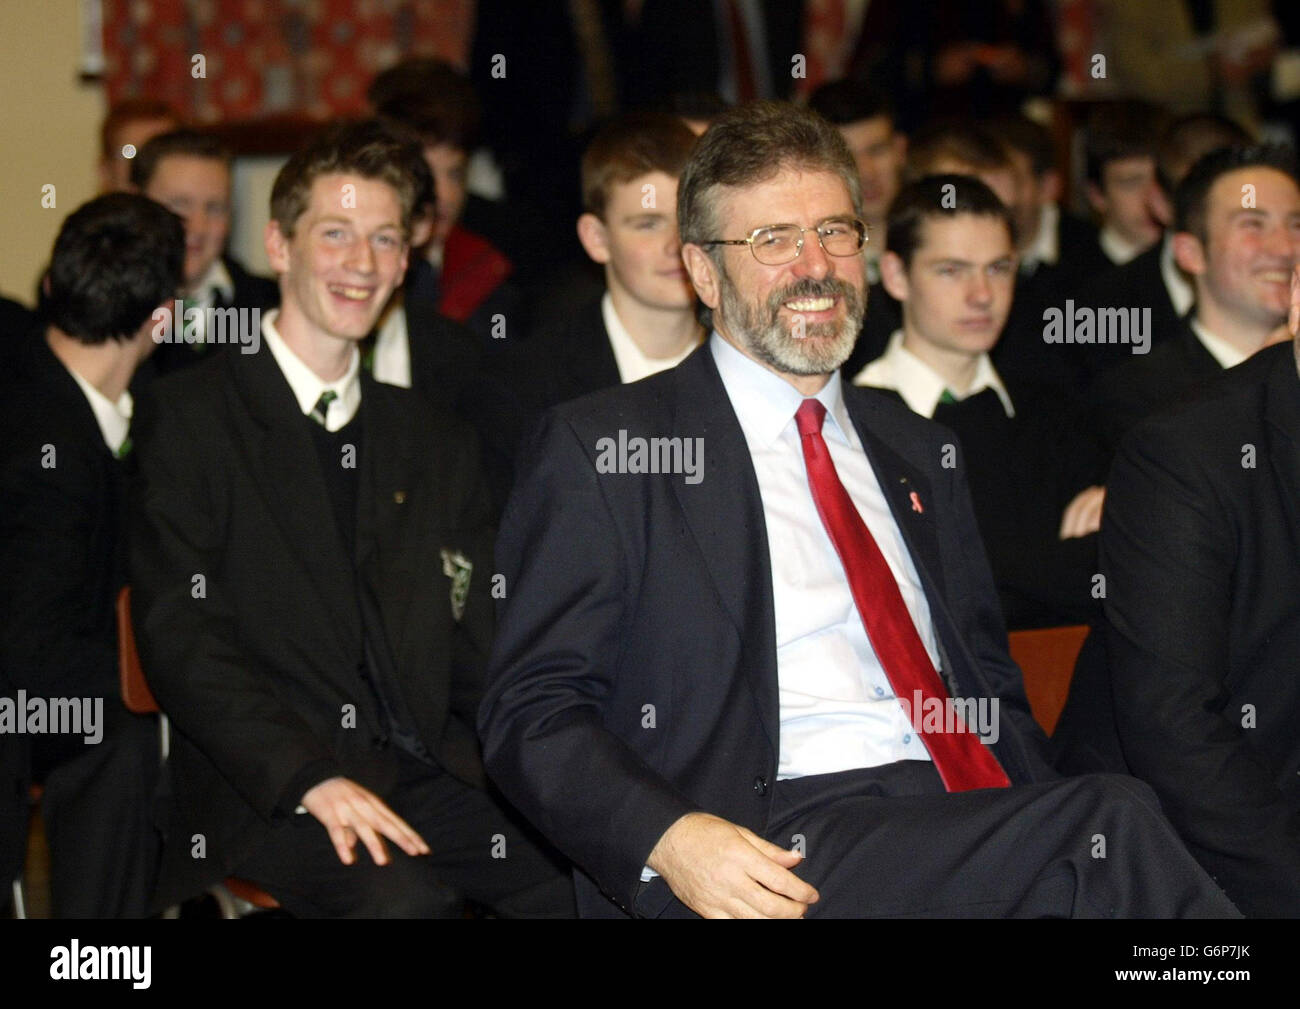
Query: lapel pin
(399, 497)
(916, 503)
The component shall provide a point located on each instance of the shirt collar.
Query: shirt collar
(307, 386)
(1221, 350)
(633, 364)
(920, 385)
(765, 403)
(1181, 292)
(1046, 247)
(114, 419)
(215, 281)
(1119, 250)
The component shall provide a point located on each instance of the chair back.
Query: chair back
(1047, 658)
(136, 694)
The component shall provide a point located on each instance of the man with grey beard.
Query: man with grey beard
(783, 689)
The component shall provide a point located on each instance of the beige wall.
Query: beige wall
(48, 133)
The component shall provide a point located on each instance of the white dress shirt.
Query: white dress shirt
(837, 708)
(307, 386)
(633, 365)
(920, 385)
(1046, 247)
(114, 419)
(1180, 289)
(1221, 350)
(1119, 250)
(392, 361)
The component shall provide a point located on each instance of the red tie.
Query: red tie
(963, 762)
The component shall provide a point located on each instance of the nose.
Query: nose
(980, 291)
(361, 257)
(813, 260)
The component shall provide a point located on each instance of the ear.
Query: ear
(704, 273)
(277, 247)
(594, 237)
(893, 276)
(421, 231)
(900, 148)
(1097, 199)
(1189, 253)
(1050, 186)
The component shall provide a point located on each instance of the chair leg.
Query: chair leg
(20, 899)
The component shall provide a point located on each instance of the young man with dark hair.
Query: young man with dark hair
(311, 566)
(645, 320)
(1057, 249)
(189, 173)
(125, 130)
(67, 419)
(1236, 233)
(1120, 169)
(734, 655)
(865, 118)
(463, 273)
(1153, 279)
(952, 266)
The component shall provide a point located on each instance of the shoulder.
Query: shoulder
(1226, 413)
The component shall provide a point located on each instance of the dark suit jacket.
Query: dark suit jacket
(1176, 367)
(60, 552)
(256, 672)
(1023, 471)
(1201, 550)
(630, 590)
(250, 291)
(1135, 284)
(61, 494)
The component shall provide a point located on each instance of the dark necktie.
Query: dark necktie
(322, 408)
(962, 761)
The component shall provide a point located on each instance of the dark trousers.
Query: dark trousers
(97, 806)
(891, 842)
(479, 850)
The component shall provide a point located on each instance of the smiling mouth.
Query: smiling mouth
(1275, 276)
(351, 293)
(823, 304)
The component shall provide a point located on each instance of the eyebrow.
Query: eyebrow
(336, 219)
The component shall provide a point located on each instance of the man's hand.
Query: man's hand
(721, 870)
(349, 811)
(1083, 515)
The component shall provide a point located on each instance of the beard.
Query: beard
(819, 349)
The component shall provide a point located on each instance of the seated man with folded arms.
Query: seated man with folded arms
(311, 566)
(67, 422)
(1032, 472)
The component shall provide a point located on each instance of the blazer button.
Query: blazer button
(760, 785)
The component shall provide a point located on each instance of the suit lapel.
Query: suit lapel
(725, 514)
(907, 490)
(287, 471)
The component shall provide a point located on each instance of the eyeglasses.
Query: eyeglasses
(781, 243)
